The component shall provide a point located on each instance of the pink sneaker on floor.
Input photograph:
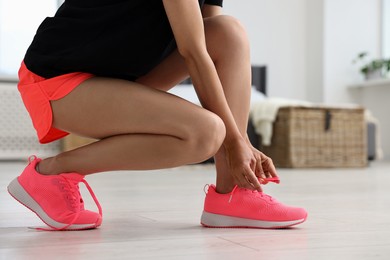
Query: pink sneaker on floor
(55, 199)
(244, 208)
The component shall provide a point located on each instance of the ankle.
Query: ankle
(224, 188)
(224, 183)
(45, 167)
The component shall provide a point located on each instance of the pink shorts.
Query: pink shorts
(37, 92)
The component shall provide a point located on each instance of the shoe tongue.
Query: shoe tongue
(270, 198)
(75, 178)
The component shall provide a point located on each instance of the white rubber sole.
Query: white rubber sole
(222, 221)
(17, 191)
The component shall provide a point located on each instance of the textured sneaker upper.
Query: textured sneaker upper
(58, 195)
(249, 204)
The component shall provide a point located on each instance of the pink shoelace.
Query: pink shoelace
(262, 181)
(73, 195)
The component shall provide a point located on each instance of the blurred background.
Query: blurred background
(310, 48)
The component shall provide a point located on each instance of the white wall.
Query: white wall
(350, 27)
(315, 50)
(386, 29)
(277, 34)
(19, 21)
(309, 45)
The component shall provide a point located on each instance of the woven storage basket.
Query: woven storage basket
(318, 137)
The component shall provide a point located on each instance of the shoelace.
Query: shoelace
(73, 190)
(262, 181)
(273, 179)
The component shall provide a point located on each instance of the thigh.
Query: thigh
(102, 107)
(173, 69)
(170, 72)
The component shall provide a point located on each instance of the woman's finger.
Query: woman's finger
(252, 180)
(269, 165)
(259, 168)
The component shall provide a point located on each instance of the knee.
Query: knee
(227, 30)
(208, 136)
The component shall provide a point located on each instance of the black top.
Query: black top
(112, 38)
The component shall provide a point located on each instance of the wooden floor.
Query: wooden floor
(155, 215)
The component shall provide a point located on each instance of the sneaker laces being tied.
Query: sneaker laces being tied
(262, 181)
(74, 198)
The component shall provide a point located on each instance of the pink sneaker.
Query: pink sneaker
(244, 208)
(55, 199)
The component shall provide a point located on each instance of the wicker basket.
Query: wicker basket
(318, 137)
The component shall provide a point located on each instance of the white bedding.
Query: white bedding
(187, 92)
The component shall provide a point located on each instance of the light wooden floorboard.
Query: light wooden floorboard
(155, 215)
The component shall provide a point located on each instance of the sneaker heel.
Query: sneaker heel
(16, 190)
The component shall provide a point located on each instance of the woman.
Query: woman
(101, 69)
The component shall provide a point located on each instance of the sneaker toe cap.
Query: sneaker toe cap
(284, 213)
(89, 217)
(295, 213)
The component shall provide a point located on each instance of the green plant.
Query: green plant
(381, 65)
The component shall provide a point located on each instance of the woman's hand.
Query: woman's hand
(248, 166)
(242, 164)
(264, 168)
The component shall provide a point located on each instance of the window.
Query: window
(19, 20)
(386, 29)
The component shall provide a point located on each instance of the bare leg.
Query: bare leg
(234, 69)
(139, 128)
(228, 47)
(233, 65)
